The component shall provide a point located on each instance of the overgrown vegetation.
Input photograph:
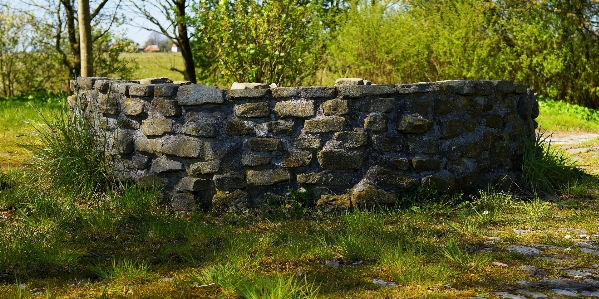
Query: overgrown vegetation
(125, 242)
(564, 117)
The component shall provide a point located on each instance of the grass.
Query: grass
(558, 116)
(152, 65)
(123, 242)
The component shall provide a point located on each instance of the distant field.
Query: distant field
(157, 65)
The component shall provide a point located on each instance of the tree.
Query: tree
(61, 25)
(175, 11)
(280, 41)
(25, 66)
(85, 39)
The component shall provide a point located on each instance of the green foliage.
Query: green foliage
(69, 152)
(562, 116)
(26, 67)
(125, 270)
(408, 267)
(233, 281)
(545, 169)
(463, 259)
(548, 45)
(259, 41)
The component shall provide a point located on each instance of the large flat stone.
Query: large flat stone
(267, 177)
(295, 108)
(197, 94)
(183, 146)
(338, 159)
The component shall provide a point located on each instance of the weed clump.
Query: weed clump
(546, 170)
(69, 153)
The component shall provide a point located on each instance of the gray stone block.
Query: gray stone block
(166, 107)
(229, 181)
(295, 108)
(335, 107)
(297, 159)
(264, 144)
(156, 126)
(259, 109)
(183, 146)
(163, 164)
(356, 91)
(166, 90)
(133, 107)
(338, 159)
(414, 124)
(197, 94)
(141, 90)
(376, 122)
(326, 124)
(204, 167)
(327, 178)
(247, 93)
(267, 177)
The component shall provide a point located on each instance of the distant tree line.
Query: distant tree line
(551, 45)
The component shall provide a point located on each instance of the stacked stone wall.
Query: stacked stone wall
(352, 144)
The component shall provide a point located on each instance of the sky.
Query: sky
(129, 29)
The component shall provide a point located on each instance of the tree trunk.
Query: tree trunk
(183, 40)
(85, 39)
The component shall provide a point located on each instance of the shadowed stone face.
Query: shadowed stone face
(353, 144)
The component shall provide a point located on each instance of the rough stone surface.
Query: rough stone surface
(281, 127)
(267, 177)
(166, 107)
(204, 167)
(200, 128)
(335, 107)
(264, 144)
(325, 124)
(133, 107)
(238, 128)
(443, 182)
(229, 181)
(192, 184)
(388, 179)
(295, 108)
(259, 109)
(156, 126)
(368, 196)
(183, 146)
(163, 164)
(336, 159)
(327, 178)
(376, 122)
(227, 201)
(297, 159)
(352, 142)
(330, 203)
(425, 164)
(252, 159)
(197, 94)
(414, 123)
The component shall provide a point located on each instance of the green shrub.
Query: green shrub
(69, 153)
(545, 170)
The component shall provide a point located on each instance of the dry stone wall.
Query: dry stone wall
(352, 144)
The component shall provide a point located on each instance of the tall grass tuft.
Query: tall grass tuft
(69, 153)
(545, 170)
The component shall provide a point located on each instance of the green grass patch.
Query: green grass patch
(561, 116)
(124, 242)
(17, 115)
(152, 65)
